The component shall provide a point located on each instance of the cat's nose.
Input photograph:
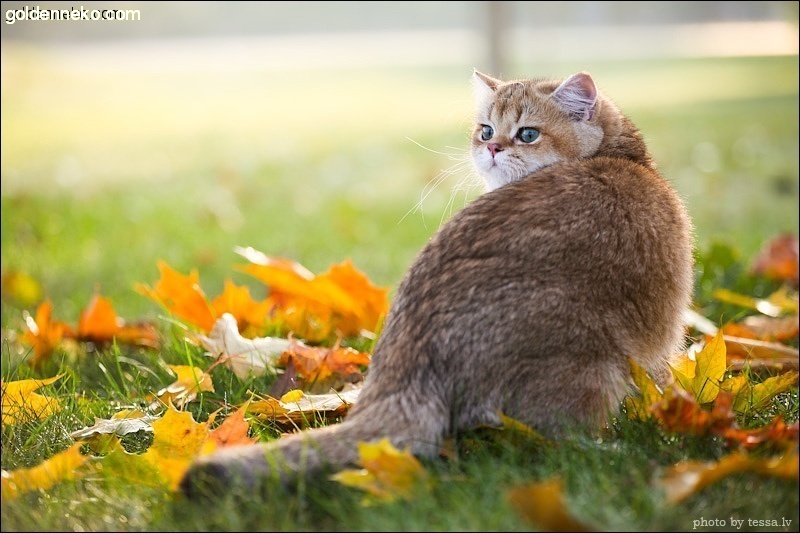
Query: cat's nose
(494, 148)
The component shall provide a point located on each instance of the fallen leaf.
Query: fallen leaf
(233, 430)
(701, 376)
(689, 477)
(741, 347)
(177, 441)
(764, 328)
(100, 324)
(680, 412)
(121, 423)
(779, 302)
(387, 473)
(21, 287)
(180, 295)
(61, 467)
(638, 408)
(301, 412)
(44, 334)
(21, 404)
(190, 381)
(249, 314)
(778, 259)
(748, 396)
(324, 368)
(243, 356)
(542, 506)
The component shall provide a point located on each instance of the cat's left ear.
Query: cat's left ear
(483, 86)
(577, 96)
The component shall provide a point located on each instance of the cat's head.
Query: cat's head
(523, 126)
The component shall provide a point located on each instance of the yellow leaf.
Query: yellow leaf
(191, 380)
(21, 404)
(639, 408)
(689, 477)
(777, 303)
(177, 440)
(22, 287)
(542, 506)
(292, 396)
(702, 376)
(387, 474)
(60, 467)
(749, 396)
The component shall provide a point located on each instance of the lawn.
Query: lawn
(106, 171)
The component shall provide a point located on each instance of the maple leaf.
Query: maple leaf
(44, 334)
(778, 259)
(233, 430)
(177, 441)
(21, 287)
(542, 505)
(702, 375)
(387, 472)
(765, 328)
(62, 466)
(21, 404)
(749, 396)
(639, 408)
(99, 323)
(299, 410)
(313, 307)
(181, 295)
(689, 477)
(324, 368)
(236, 300)
(680, 412)
(190, 381)
(243, 356)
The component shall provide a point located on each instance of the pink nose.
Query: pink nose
(494, 148)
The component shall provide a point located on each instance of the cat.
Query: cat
(529, 302)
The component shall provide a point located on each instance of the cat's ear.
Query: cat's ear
(483, 86)
(577, 96)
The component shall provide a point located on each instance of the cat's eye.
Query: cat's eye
(527, 135)
(487, 132)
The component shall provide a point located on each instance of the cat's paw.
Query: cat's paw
(231, 470)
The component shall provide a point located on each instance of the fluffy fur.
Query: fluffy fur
(528, 302)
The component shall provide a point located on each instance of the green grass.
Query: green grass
(104, 172)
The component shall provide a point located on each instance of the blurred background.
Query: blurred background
(320, 131)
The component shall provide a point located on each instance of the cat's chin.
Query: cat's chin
(495, 178)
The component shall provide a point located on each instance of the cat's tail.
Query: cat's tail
(309, 452)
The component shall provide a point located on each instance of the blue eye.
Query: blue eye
(487, 133)
(527, 135)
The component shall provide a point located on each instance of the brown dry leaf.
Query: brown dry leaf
(764, 351)
(44, 334)
(778, 259)
(324, 368)
(542, 506)
(689, 477)
(62, 466)
(177, 441)
(679, 412)
(701, 376)
(21, 404)
(387, 473)
(764, 328)
(190, 381)
(639, 408)
(776, 433)
(233, 430)
(250, 315)
(181, 295)
(303, 411)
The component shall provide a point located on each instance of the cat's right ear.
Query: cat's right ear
(483, 86)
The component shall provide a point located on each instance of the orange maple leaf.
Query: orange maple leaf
(44, 333)
(233, 430)
(778, 259)
(99, 323)
(181, 295)
(322, 368)
(237, 301)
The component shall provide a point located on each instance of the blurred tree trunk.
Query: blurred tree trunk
(497, 24)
